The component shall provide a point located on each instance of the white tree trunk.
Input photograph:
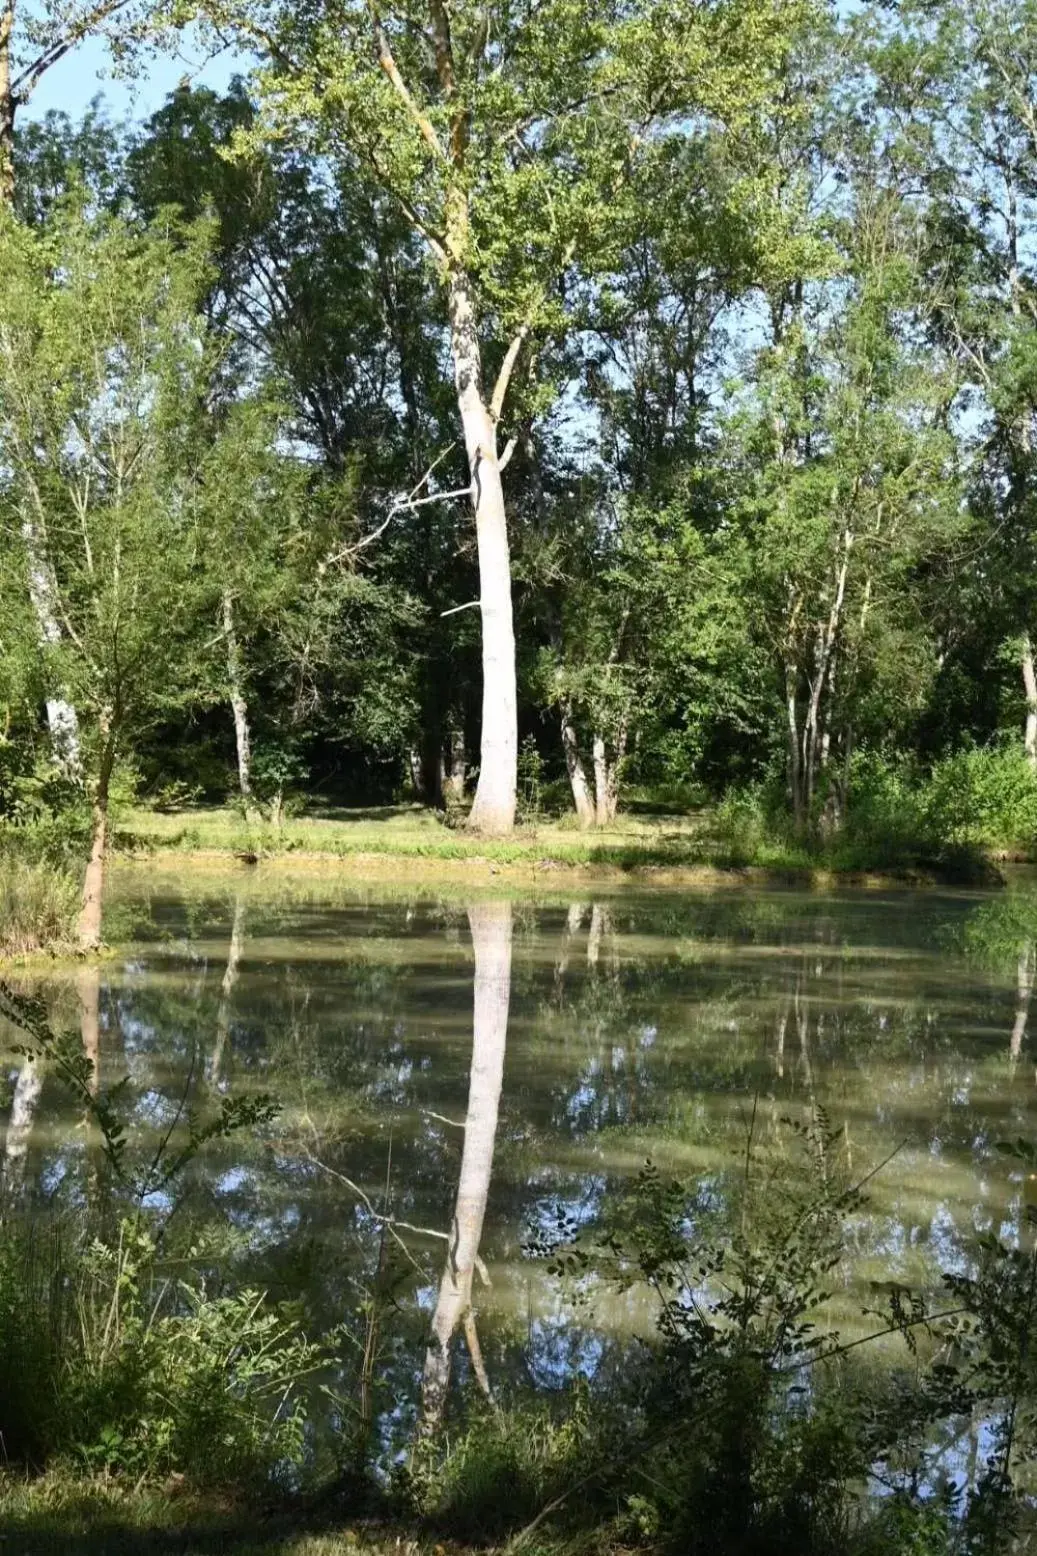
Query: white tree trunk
(491, 937)
(493, 811)
(1030, 683)
(606, 778)
(238, 705)
(62, 721)
(601, 780)
(575, 768)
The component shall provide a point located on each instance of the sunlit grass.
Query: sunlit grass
(411, 833)
(38, 903)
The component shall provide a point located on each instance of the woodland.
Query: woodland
(531, 419)
(592, 403)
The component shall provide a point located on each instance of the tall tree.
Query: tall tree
(506, 137)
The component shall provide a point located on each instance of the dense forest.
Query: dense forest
(642, 396)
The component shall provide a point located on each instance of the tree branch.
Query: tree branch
(507, 367)
(388, 63)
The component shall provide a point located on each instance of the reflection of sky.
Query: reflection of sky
(358, 1017)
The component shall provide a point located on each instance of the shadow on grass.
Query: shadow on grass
(93, 1532)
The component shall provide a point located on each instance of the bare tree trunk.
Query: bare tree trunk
(795, 763)
(601, 780)
(606, 777)
(1030, 683)
(238, 705)
(93, 882)
(456, 771)
(491, 937)
(7, 107)
(62, 721)
(575, 768)
(493, 811)
(230, 978)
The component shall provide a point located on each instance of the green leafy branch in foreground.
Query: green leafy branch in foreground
(772, 1428)
(64, 1052)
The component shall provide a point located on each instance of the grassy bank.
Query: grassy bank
(685, 846)
(61, 1515)
(39, 900)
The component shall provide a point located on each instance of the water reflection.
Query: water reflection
(24, 1102)
(636, 1024)
(214, 1067)
(491, 926)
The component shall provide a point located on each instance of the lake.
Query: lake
(464, 1078)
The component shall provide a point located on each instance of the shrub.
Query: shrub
(105, 1363)
(985, 795)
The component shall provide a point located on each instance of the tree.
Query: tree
(104, 363)
(854, 495)
(955, 89)
(506, 139)
(322, 284)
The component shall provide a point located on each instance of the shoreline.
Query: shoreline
(400, 866)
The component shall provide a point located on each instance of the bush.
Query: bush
(105, 1363)
(108, 1360)
(986, 795)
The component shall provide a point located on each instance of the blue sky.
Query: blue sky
(86, 72)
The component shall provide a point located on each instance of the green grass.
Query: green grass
(38, 906)
(674, 842)
(66, 1514)
(58, 1515)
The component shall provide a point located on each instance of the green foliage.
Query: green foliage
(984, 796)
(108, 1360)
(537, 1451)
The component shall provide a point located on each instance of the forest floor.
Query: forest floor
(386, 840)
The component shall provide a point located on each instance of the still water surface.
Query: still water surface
(477, 1068)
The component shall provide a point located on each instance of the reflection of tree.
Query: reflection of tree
(19, 1130)
(491, 937)
(88, 990)
(1024, 990)
(230, 978)
(1003, 931)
